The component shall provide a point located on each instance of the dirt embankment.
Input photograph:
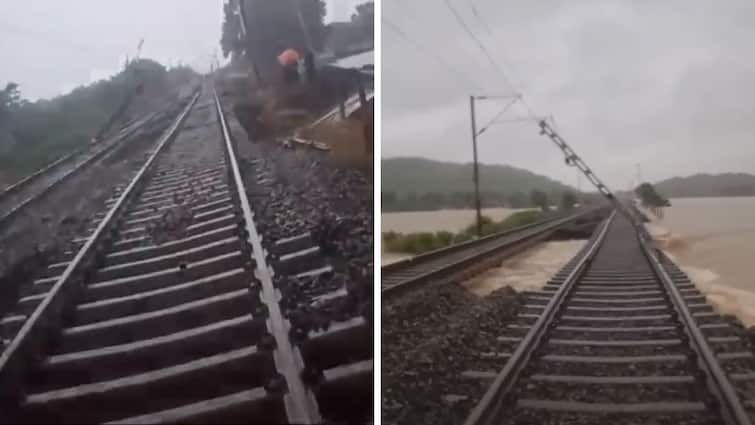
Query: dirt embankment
(304, 191)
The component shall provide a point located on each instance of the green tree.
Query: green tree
(42, 131)
(365, 17)
(568, 199)
(272, 26)
(649, 197)
(9, 97)
(539, 199)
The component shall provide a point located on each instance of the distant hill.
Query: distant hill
(699, 185)
(421, 184)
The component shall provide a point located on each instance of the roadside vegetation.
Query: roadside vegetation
(35, 133)
(421, 242)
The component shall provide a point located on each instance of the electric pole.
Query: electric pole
(639, 174)
(476, 170)
(303, 25)
(476, 133)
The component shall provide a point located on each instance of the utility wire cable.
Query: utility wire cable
(510, 66)
(424, 49)
(479, 43)
(498, 115)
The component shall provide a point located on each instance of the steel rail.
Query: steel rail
(44, 322)
(488, 409)
(301, 406)
(28, 179)
(729, 404)
(414, 281)
(78, 168)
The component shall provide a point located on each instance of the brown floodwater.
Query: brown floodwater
(433, 221)
(713, 241)
(527, 271)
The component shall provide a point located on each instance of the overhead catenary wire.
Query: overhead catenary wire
(487, 54)
(478, 42)
(498, 115)
(429, 52)
(493, 38)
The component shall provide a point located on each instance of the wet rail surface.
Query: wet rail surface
(399, 277)
(177, 317)
(603, 342)
(23, 193)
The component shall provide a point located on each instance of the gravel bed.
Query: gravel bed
(297, 190)
(529, 417)
(615, 336)
(430, 338)
(584, 350)
(606, 393)
(602, 369)
(43, 232)
(294, 191)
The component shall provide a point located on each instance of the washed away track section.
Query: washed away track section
(617, 337)
(168, 312)
(443, 264)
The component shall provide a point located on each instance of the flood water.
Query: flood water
(713, 240)
(433, 221)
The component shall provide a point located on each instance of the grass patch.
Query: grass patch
(421, 242)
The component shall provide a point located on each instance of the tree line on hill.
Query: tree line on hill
(430, 201)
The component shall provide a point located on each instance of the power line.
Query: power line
(487, 54)
(493, 38)
(429, 52)
(477, 41)
(498, 115)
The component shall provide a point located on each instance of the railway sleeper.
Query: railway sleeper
(152, 324)
(611, 390)
(166, 277)
(138, 237)
(166, 297)
(221, 374)
(175, 259)
(167, 248)
(253, 406)
(115, 361)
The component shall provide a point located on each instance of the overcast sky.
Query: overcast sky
(669, 85)
(51, 46)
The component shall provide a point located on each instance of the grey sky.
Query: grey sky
(668, 84)
(51, 46)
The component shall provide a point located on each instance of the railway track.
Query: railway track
(618, 337)
(399, 277)
(170, 312)
(23, 193)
